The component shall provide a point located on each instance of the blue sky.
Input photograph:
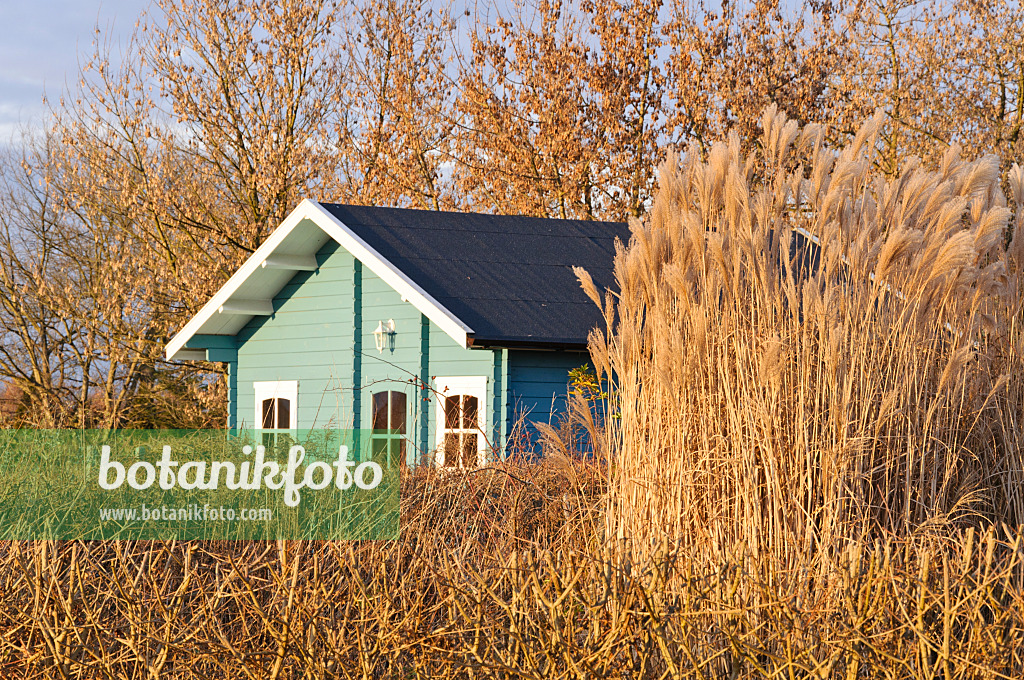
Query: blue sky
(41, 47)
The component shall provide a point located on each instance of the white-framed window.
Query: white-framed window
(389, 418)
(277, 403)
(460, 421)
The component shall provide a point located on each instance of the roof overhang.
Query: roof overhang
(291, 248)
(530, 344)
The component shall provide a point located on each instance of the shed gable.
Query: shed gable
(321, 336)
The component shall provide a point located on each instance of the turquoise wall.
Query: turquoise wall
(321, 334)
(421, 353)
(308, 339)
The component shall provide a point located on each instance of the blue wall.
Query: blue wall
(538, 384)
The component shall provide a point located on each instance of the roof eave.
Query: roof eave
(527, 343)
(222, 300)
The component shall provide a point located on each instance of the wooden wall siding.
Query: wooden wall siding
(309, 339)
(395, 369)
(321, 334)
(538, 383)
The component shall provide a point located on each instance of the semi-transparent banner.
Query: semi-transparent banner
(198, 484)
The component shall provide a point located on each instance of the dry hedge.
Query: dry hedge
(500, 574)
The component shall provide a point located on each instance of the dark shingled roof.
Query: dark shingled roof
(507, 277)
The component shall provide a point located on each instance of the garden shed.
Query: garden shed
(437, 330)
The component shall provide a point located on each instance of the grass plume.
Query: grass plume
(772, 397)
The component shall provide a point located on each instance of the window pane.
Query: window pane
(469, 420)
(378, 446)
(451, 449)
(380, 411)
(268, 414)
(284, 418)
(396, 451)
(451, 412)
(398, 412)
(469, 450)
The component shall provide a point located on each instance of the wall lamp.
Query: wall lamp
(384, 336)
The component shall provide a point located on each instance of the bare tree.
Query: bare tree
(77, 315)
(395, 132)
(158, 176)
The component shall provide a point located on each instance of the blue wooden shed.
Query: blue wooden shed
(438, 330)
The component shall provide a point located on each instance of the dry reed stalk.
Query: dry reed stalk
(437, 603)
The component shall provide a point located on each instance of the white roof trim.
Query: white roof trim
(345, 237)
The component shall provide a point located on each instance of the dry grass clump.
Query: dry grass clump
(793, 398)
(247, 609)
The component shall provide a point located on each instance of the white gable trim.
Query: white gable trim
(333, 227)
